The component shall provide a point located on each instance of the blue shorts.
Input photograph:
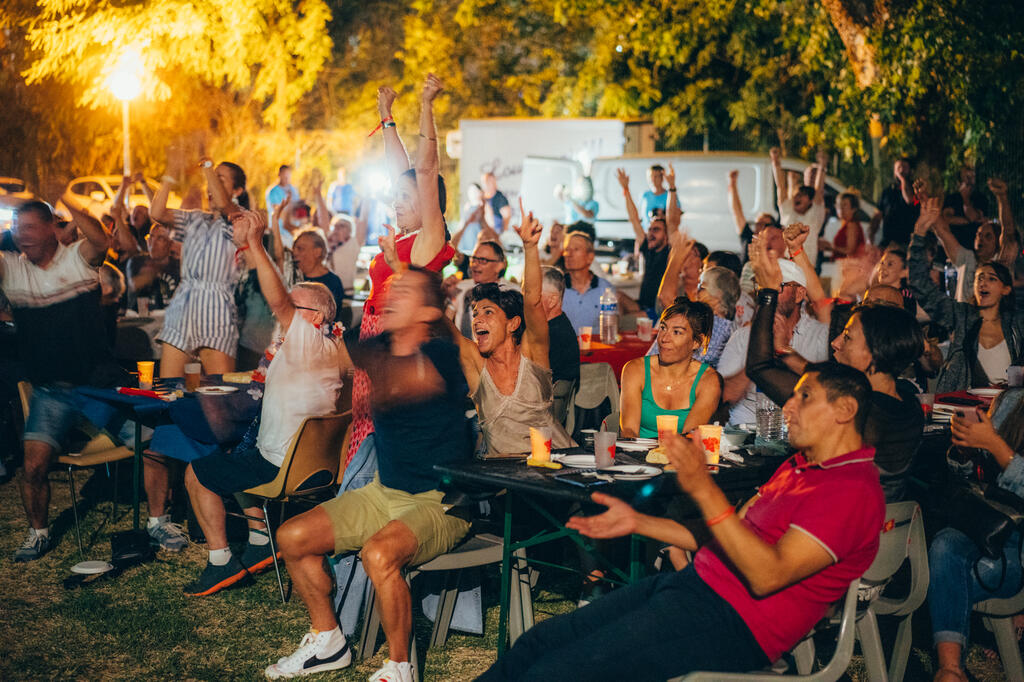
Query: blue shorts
(52, 414)
(229, 473)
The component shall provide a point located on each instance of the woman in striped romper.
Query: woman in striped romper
(201, 318)
(419, 213)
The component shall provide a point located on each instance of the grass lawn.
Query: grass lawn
(140, 626)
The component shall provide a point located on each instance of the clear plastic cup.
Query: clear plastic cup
(193, 371)
(142, 303)
(644, 328)
(667, 423)
(145, 375)
(927, 401)
(586, 337)
(711, 439)
(604, 448)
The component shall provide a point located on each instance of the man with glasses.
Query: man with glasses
(486, 265)
(154, 274)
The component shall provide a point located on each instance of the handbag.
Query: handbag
(988, 517)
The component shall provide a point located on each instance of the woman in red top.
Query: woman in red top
(419, 215)
(849, 240)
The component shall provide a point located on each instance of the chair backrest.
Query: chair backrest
(313, 460)
(25, 394)
(344, 453)
(902, 538)
(597, 384)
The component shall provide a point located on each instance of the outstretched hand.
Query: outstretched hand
(385, 99)
(618, 521)
(767, 272)
(432, 87)
(670, 175)
(386, 242)
(620, 174)
(529, 228)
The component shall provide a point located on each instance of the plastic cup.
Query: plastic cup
(586, 337)
(193, 371)
(142, 303)
(644, 328)
(927, 401)
(1015, 376)
(145, 375)
(711, 439)
(667, 423)
(604, 448)
(540, 444)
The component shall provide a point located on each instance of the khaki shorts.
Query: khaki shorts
(359, 514)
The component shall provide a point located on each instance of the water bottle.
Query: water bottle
(770, 424)
(609, 319)
(950, 277)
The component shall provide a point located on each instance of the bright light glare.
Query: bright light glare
(6, 215)
(379, 183)
(126, 80)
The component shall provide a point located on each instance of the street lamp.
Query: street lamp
(126, 84)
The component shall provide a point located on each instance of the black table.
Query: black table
(530, 487)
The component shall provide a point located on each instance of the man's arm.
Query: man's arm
(631, 210)
(673, 211)
(669, 287)
(795, 236)
(158, 210)
(1009, 240)
(536, 339)
(819, 178)
(620, 520)
(781, 182)
(140, 179)
(254, 223)
(323, 216)
(96, 239)
(738, 217)
(431, 237)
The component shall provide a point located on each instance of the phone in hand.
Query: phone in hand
(969, 416)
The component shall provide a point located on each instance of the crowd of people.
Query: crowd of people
(269, 289)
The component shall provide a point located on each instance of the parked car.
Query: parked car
(701, 181)
(96, 193)
(13, 193)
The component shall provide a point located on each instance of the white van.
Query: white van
(701, 180)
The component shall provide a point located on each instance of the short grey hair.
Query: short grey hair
(554, 280)
(725, 285)
(323, 299)
(317, 236)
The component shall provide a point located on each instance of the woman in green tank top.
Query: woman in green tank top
(671, 382)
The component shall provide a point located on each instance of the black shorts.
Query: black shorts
(229, 473)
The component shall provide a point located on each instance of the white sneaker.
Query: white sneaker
(311, 658)
(393, 672)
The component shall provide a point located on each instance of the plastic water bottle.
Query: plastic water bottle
(950, 277)
(770, 424)
(609, 319)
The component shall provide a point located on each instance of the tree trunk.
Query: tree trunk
(852, 20)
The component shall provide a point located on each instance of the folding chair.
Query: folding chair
(101, 449)
(902, 539)
(310, 467)
(597, 384)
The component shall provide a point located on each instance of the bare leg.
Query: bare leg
(216, 362)
(172, 361)
(209, 509)
(949, 663)
(255, 512)
(383, 556)
(35, 486)
(303, 541)
(157, 481)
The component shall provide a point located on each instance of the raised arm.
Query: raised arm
(536, 341)
(158, 210)
(795, 236)
(781, 182)
(96, 239)
(940, 224)
(140, 179)
(669, 287)
(631, 210)
(673, 212)
(219, 199)
(323, 216)
(738, 217)
(1009, 239)
(431, 238)
(819, 178)
(935, 302)
(254, 224)
(764, 367)
(395, 155)
(124, 237)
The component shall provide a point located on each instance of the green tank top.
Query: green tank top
(650, 410)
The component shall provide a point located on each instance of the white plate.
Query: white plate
(632, 472)
(578, 461)
(216, 390)
(985, 392)
(91, 567)
(637, 444)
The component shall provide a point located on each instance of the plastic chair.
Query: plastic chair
(310, 466)
(804, 654)
(101, 449)
(597, 384)
(476, 550)
(902, 538)
(997, 615)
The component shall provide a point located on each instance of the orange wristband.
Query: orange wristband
(721, 517)
(794, 254)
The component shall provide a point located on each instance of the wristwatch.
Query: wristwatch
(206, 164)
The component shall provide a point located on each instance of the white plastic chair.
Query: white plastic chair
(597, 383)
(902, 538)
(997, 615)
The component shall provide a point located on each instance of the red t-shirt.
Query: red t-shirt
(380, 271)
(840, 505)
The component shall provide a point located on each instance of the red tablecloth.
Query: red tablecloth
(617, 356)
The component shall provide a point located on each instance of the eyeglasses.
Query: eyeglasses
(481, 259)
(302, 307)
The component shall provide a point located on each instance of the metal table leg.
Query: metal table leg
(506, 576)
(136, 472)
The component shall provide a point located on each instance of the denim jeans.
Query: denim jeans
(954, 587)
(660, 627)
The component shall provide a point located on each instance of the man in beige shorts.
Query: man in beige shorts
(397, 520)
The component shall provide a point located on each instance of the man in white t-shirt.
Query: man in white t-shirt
(807, 205)
(346, 237)
(302, 381)
(795, 329)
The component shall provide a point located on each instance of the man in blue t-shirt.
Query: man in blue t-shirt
(276, 194)
(657, 196)
(418, 402)
(341, 195)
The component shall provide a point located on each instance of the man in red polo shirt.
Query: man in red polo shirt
(768, 575)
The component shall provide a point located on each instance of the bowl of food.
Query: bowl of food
(735, 437)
